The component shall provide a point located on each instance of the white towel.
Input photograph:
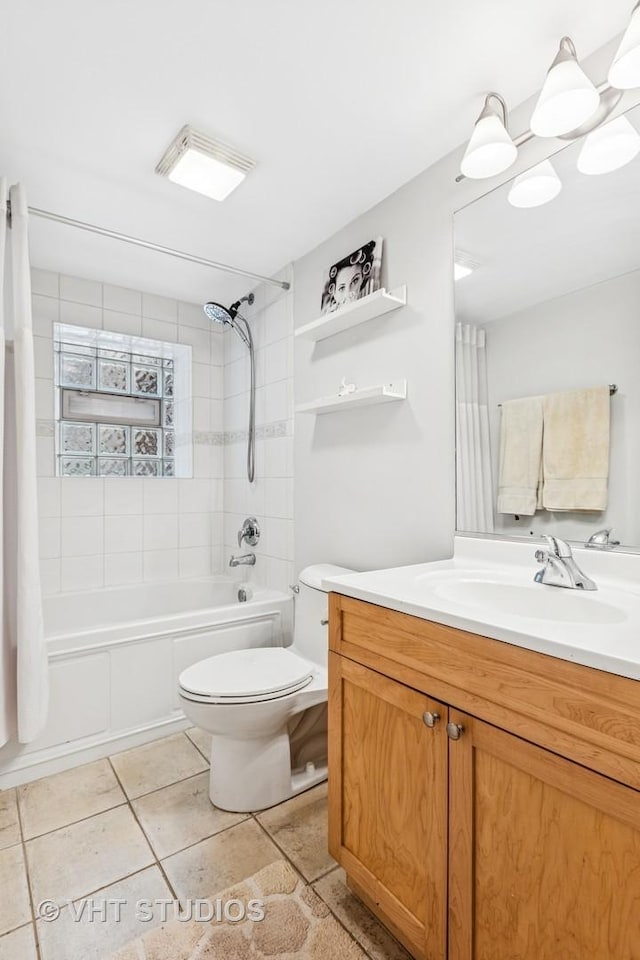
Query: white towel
(576, 450)
(520, 456)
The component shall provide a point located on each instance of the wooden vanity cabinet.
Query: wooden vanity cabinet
(469, 840)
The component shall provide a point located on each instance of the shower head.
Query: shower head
(227, 317)
(218, 313)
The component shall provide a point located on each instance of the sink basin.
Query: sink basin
(537, 601)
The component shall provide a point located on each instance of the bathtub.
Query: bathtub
(115, 656)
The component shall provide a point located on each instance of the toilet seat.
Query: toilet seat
(246, 676)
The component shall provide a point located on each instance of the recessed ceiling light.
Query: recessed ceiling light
(463, 265)
(200, 163)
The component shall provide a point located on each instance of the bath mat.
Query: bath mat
(297, 925)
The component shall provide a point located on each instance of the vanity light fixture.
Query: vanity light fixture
(490, 150)
(200, 163)
(535, 187)
(567, 99)
(624, 73)
(609, 147)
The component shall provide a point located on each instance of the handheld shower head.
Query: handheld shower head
(218, 313)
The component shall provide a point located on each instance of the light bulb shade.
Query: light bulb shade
(535, 187)
(490, 150)
(624, 73)
(609, 147)
(567, 98)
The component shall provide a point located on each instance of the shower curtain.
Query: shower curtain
(473, 460)
(24, 690)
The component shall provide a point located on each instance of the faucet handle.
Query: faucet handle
(558, 547)
(250, 532)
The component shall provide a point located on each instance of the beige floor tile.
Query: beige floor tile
(220, 861)
(19, 945)
(361, 924)
(62, 799)
(67, 939)
(158, 764)
(201, 739)
(15, 909)
(299, 827)
(75, 860)
(9, 824)
(180, 815)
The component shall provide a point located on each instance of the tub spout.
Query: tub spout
(246, 560)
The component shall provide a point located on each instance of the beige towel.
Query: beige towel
(576, 450)
(520, 456)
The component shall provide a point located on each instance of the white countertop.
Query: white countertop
(599, 629)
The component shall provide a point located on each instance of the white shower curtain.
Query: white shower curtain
(23, 657)
(473, 460)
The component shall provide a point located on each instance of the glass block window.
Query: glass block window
(116, 407)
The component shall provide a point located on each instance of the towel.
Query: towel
(520, 456)
(576, 450)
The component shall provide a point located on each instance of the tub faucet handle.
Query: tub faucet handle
(249, 533)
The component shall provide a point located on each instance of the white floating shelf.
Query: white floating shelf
(375, 305)
(385, 393)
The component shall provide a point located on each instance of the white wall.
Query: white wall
(375, 487)
(98, 532)
(583, 339)
(270, 497)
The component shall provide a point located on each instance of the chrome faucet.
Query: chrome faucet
(602, 540)
(560, 569)
(246, 560)
(249, 533)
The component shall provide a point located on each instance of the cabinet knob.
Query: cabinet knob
(431, 718)
(454, 730)
(324, 623)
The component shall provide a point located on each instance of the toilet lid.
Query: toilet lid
(241, 674)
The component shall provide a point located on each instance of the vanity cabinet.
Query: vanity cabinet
(484, 800)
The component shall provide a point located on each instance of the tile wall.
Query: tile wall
(102, 532)
(270, 497)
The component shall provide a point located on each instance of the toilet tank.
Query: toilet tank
(311, 635)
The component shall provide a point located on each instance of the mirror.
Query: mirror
(547, 318)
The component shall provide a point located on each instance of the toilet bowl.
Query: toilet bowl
(247, 700)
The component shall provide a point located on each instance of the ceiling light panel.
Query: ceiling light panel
(208, 166)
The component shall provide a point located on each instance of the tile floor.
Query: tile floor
(140, 825)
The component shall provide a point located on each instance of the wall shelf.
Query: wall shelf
(385, 393)
(375, 305)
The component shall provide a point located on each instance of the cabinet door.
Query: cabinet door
(387, 801)
(544, 854)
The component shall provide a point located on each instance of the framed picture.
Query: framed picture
(355, 276)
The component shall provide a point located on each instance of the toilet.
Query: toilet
(247, 700)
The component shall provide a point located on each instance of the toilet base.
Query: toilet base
(250, 775)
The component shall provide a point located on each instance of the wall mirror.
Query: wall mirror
(548, 346)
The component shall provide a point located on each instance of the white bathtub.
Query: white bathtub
(115, 656)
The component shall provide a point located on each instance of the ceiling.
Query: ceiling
(589, 233)
(338, 102)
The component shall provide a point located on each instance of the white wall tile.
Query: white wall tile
(160, 531)
(160, 565)
(125, 323)
(80, 314)
(159, 308)
(45, 403)
(161, 496)
(45, 282)
(122, 568)
(49, 499)
(159, 330)
(123, 534)
(82, 496)
(43, 357)
(123, 496)
(49, 538)
(200, 340)
(82, 536)
(45, 311)
(80, 290)
(82, 573)
(195, 496)
(194, 562)
(193, 315)
(195, 530)
(121, 299)
(201, 380)
(278, 401)
(201, 418)
(50, 577)
(44, 456)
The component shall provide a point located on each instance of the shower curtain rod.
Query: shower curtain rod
(613, 389)
(149, 245)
